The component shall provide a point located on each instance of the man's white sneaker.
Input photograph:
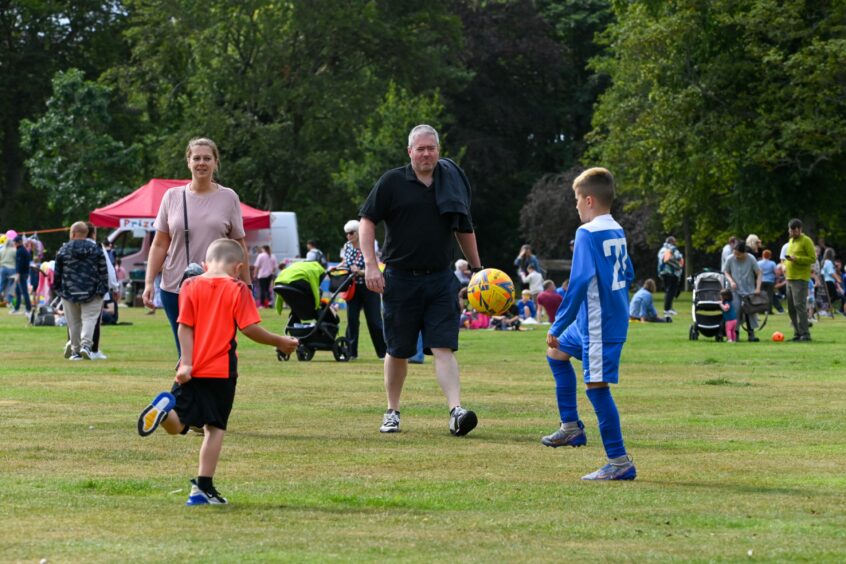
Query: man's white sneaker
(68, 349)
(390, 422)
(98, 356)
(461, 421)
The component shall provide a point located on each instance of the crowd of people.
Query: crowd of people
(808, 277)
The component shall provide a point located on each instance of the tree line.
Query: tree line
(718, 118)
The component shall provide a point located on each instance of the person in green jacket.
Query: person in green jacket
(798, 260)
(308, 271)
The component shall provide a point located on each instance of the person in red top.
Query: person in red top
(549, 300)
(212, 308)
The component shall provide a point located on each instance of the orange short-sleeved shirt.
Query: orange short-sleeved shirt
(216, 308)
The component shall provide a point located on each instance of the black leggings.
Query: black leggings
(671, 283)
(264, 290)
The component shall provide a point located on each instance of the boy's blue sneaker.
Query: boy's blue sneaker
(566, 437)
(200, 497)
(155, 413)
(625, 471)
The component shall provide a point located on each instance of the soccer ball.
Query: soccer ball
(778, 336)
(491, 292)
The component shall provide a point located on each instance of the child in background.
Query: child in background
(812, 300)
(526, 307)
(211, 307)
(592, 324)
(535, 281)
(470, 318)
(729, 315)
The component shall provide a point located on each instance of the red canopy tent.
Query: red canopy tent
(144, 204)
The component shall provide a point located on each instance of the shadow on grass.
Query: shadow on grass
(729, 488)
(337, 505)
(722, 381)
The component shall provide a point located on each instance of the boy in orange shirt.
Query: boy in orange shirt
(211, 307)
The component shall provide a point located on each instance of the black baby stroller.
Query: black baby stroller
(316, 329)
(706, 312)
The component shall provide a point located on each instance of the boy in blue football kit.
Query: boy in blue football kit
(592, 323)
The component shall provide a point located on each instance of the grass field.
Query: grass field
(740, 453)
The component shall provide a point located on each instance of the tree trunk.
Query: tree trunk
(688, 252)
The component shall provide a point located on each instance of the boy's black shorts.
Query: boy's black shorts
(205, 401)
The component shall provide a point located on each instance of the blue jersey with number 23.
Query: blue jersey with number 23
(598, 295)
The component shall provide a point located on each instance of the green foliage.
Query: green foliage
(40, 38)
(380, 143)
(721, 118)
(549, 217)
(727, 116)
(74, 159)
(282, 87)
(522, 113)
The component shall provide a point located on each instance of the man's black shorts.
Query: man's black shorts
(414, 301)
(205, 401)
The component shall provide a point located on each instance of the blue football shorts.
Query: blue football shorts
(600, 361)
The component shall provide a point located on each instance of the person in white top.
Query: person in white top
(728, 251)
(535, 281)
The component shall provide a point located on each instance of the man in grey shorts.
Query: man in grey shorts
(425, 206)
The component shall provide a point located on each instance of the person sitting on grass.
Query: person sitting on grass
(508, 321)
(549, 300)
(642, 308)
(526, 307)
(562, 290)
(211, 307)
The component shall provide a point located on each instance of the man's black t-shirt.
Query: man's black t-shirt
(417, 235)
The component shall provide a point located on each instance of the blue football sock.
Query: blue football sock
(565, 388)
(609, 421)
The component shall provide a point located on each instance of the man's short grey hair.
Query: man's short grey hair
(461, 264)
(423, 129)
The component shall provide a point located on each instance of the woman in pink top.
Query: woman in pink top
(265, 266)
(214, 212)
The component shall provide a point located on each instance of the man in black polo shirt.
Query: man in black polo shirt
(424, 205)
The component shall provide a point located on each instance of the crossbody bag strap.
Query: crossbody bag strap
(185, 219)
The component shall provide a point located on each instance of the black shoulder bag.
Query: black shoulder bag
(191, 269)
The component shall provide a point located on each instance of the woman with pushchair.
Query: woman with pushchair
(744, 279)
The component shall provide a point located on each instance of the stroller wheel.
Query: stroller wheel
(280, 356)
(694, 334)
(304, 353)
(341, 349)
